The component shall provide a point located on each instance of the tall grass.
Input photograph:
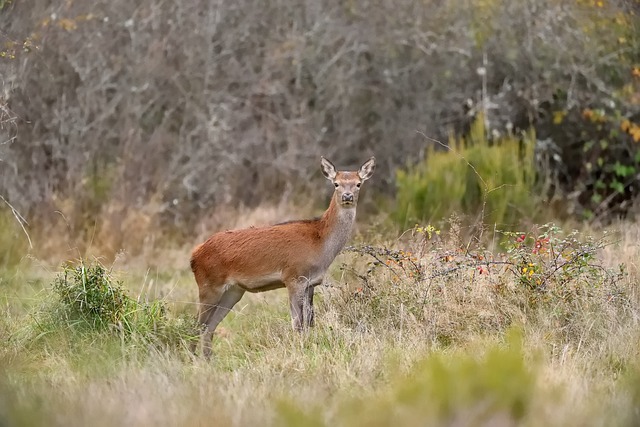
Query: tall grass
(12, 239)
(441, 389)
(426, 330)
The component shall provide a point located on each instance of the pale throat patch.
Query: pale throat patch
(339, 234)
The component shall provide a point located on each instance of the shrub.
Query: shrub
(89, 298)
(446, 290)
(493, 178)
(90, 295)
(606, 159)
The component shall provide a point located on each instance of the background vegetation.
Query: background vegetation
(129, 131)
(143, 116)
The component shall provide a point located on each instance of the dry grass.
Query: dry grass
(461, 348)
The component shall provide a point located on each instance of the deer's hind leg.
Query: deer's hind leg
(230, 297)
(209, 300)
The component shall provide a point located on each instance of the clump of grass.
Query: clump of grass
(89, 294)
(89, 298)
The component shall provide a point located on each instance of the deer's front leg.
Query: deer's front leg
(307, 306)
(296, 302)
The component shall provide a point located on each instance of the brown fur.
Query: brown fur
(250, 251)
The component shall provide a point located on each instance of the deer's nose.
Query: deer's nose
(347, 197)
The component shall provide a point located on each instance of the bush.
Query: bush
(459, 387)
(494, 179)
(446, 290)
(90, 295)
(606, 159)
(89, 298)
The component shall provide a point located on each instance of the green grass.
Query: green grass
(391, 346)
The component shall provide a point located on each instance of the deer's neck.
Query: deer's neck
(338, 225)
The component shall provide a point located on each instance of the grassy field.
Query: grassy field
(533, 328)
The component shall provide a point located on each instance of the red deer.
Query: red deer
(294, 255)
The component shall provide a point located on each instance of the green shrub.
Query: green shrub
(630, 388)
(475, 175)
(90, 294)
(606, 157)
(89, 297)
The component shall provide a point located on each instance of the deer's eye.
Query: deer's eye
(335, 184)
(358, 185)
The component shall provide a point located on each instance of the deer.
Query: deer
(294, 255)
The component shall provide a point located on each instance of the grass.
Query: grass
(425, 330)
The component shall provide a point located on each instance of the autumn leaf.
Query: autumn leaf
(558, 116)
(635, 133)
(625, 125)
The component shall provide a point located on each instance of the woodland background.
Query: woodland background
(122, 120)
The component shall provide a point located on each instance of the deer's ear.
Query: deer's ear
(328, 170)
(366, 170)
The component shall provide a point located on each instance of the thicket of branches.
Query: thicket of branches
(176, 108)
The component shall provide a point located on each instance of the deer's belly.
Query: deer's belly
(261, 283)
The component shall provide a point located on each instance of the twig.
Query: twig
(20, 220)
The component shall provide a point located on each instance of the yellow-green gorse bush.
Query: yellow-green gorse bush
(474, 175)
